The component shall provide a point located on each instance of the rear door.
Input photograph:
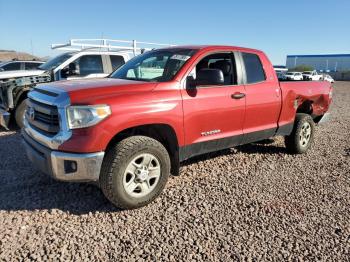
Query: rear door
(263, 101)
(213, 118)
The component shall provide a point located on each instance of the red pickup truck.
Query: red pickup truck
(130, 131)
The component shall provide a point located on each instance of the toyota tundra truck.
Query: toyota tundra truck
(130, 131)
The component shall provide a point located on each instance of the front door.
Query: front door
(213, 115)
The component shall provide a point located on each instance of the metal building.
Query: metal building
(322, 63)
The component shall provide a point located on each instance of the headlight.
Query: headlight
(85, 116)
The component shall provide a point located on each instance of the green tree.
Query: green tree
(302, 68)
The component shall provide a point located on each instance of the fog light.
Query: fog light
(70, 166)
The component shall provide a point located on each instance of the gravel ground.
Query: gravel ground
(254, 202)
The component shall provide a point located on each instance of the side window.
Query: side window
(89, 64)
(12, 66)
(222, 61)
(31, 66)
(253, 67)
(117, 61)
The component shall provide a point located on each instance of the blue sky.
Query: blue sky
(276, 27)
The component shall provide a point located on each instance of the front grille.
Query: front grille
(42, 117)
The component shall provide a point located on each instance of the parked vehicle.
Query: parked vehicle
(281, 75)
(16, 69)
(75, 65)
(19, 65)
(296, 76)
(312, 76)
(328, 78)
(280, 68)
(89, 61)
(128, 132)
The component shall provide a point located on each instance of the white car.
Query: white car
(328, 78)
(312, 76)
(295, 76)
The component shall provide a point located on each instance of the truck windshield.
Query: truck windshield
(154, 66)
(56, 61)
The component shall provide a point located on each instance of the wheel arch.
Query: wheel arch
(305, 107)
(22, 95)
(163, 133)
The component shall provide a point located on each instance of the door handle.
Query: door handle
(237, 95)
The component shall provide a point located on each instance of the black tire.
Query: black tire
(117, 160)
(293, 142)
(19, 113)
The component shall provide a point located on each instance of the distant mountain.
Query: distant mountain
(6, 55)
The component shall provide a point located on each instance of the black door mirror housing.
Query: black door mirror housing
(71, 70)
(207, 76)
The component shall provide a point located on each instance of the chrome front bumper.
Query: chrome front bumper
(61, 165)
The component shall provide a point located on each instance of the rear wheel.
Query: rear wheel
(134, 172)
(19, 113)
(301, 138)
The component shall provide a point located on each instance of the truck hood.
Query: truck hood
(20, 73)
(95, 90)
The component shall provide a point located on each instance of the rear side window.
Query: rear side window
(253, 67)
(30, 66)
(117, 61)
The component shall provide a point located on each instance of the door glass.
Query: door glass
(31, 66)
(221, 61)
(89, 64)
(12, 66)
(253, 67)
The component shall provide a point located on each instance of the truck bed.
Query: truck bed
(311, 95)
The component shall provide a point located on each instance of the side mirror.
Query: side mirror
(71, 70)
(207, 76)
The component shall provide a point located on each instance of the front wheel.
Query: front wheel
(301, 138)
(134, 172)
(19, 113)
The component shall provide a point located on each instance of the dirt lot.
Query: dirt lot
(254, 201)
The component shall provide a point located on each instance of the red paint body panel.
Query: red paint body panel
(209, 109)
(268, 104)
(317, 92)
